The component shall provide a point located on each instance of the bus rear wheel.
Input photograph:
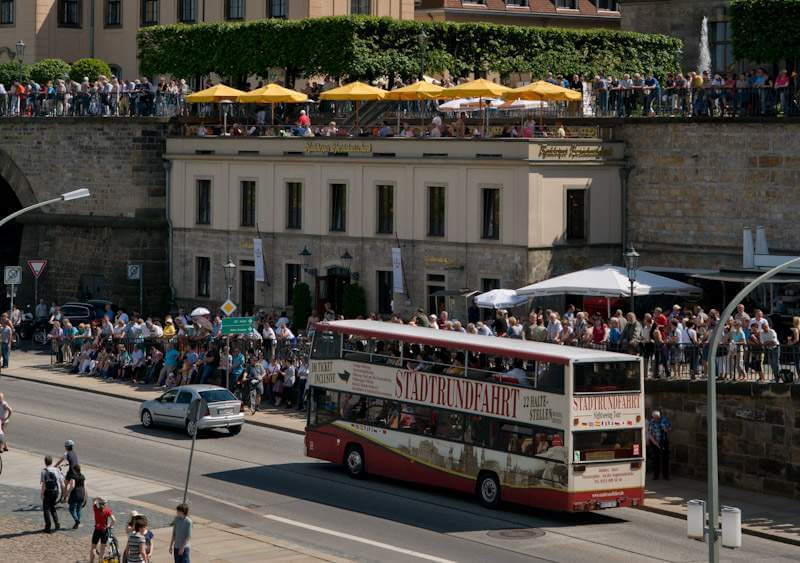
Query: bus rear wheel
(354, 461)
(488, 490)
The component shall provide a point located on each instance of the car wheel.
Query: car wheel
(488, 490)
(354, 462)
(147, 419)
(40, 337)
(191, 427)
(234, 430)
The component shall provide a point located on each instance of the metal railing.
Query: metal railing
(92, 104)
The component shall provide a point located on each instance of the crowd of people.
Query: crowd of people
(102, 97)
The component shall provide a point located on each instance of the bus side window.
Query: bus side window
(449, 425)
(353, 407)
(325, 407)
(478, 431)
(326, 346)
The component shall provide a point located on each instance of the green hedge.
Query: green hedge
(49, 70)
(9, 72)
(766, 31)
(89, 68)
(366, 48)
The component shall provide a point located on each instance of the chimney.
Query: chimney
(747, 248)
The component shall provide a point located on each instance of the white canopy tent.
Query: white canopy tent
(500, 299)
(609, 281)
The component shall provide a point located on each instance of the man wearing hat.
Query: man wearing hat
(103, 520)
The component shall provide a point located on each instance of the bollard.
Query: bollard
(731, 527)
(696, 519)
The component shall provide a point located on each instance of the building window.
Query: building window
(385, 287)
(248, 189)
(234, 9)
(203, 276)
(385, 210)
(276, 8)
(576, 215)
(338, 207)
(149, 12)
(488, 284)
(69, 12)
(204, 202)
(187, 11)
(6, 12)
(361, 7)
(294, 205)
(721, 46)
(293, 272)
(436, 211)
(491, 213)
(113, 14)
(570, 4)
(608, 5)
(516, 2)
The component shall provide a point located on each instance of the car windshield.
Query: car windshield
(217, 396)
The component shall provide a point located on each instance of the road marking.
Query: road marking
(373, 543)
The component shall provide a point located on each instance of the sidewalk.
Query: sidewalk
(35, 366)
(766, 516)
(21, 522)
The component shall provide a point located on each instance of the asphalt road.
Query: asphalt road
(260, 480)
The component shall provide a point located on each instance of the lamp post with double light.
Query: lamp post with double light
(632, 265)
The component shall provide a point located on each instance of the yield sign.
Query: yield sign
(37, 267)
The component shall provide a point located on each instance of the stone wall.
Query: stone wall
(758, 439)
(693, 186)
(120, 161)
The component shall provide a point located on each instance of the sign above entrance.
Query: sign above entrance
(338, 148)
(37, 267)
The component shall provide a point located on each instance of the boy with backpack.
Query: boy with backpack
(50, 492)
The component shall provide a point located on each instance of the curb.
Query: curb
(745, 530)
(134, 399)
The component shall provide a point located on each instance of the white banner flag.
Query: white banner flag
(397, 271)
(258, 258)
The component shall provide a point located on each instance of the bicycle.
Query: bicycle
(112, 553)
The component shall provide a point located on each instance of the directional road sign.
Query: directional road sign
(236, 325)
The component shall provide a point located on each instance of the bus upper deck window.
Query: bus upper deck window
(327, 346)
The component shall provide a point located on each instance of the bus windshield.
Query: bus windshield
(607, 445)
(605, 377)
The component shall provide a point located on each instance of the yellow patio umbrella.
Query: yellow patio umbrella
(421, 90)
(273, 94)
(542, 90)
(354, 92)
(217, 94)
(480, 88)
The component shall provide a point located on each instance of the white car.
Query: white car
(222, 409)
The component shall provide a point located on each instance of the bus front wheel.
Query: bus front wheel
(354, 461)
(488, 489)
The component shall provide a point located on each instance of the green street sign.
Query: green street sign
(236, 325)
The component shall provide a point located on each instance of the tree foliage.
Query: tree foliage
(354, 301)
(91, 68)
(9, 72)
(366, 47)
(301, 302)
(766, 31)
(47, 70)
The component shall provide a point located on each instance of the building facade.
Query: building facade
(543, 13)
(464, 213)
(684, 19)
(106, 29)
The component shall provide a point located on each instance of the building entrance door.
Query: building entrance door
(330, 289)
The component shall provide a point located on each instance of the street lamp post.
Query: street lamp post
(305, 255)
(347, 260)
(632, 265)
(20, 49)
(69, 196)
(423, 44)
(230, 271)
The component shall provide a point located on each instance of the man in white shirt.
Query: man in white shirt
(769, 340)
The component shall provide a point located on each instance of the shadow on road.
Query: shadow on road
(415, 505)
(177, 433)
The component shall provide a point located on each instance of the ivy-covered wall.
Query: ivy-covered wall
(767, 31)
(366, 48)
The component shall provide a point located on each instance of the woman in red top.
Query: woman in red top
(599, 332)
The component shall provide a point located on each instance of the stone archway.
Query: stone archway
(16, 180)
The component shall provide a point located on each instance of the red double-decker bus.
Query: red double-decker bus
(542, 425)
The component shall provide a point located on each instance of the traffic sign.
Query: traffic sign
(134, 271)
(236, 325)
(37, 267)
(228, 307)
(13, 275)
